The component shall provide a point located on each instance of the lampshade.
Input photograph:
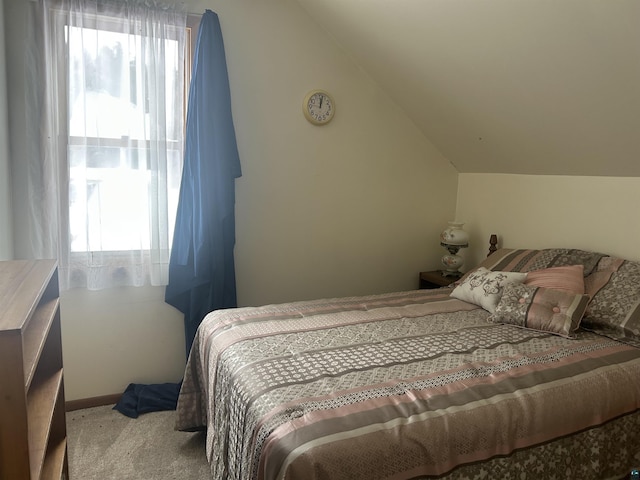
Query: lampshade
(454, 235)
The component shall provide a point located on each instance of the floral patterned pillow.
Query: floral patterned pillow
(545, 309)
(484, 288)
(614, 310)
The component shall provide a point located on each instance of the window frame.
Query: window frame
(62, 22)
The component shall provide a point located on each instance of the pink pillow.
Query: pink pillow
(567, 278)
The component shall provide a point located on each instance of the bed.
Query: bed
(526, 367)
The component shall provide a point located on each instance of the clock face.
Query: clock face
(318, 107)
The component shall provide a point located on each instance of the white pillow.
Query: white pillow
(484, 287)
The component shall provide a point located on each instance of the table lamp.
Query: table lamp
(453, 238)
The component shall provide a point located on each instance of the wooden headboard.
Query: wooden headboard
(493, 244)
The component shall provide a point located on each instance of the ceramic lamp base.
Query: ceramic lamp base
(452, 263)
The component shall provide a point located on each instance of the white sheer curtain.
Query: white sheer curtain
(106, 83)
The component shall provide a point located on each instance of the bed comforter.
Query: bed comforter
(407, 385)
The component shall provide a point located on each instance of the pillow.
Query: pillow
(568, 278)
(483, 287)
(614, 310)
(510, 260)
(544, 309)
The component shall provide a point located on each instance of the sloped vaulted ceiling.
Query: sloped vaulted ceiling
(506, 86)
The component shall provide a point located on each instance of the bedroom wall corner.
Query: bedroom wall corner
(548, 211)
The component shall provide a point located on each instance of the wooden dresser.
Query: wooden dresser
(33, 439)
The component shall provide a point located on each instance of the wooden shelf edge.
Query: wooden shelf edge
(55, 461)
(41, 403)
(35, 336)
(33, 276)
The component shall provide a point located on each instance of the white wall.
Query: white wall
(527, 86)
(6, 228)
(542, 211)
(119, 336)
(350, 208)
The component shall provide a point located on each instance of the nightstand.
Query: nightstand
(435, 279)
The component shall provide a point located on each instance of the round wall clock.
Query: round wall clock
(318, 107)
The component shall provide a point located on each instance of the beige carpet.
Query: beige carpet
(104, 444)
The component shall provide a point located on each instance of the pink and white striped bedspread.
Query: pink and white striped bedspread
(406, 385)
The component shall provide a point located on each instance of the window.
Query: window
(106, 176)
(109, 146)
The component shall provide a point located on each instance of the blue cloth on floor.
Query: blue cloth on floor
(139, 398)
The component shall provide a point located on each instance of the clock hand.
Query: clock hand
(321, 98)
